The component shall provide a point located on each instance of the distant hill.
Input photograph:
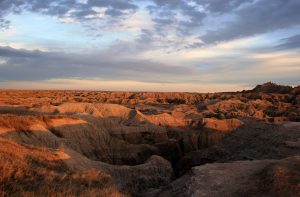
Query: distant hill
(270, 87)
(296, 90)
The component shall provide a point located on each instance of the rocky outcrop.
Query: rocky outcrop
(227, 125)
(241, 178)
(270, 87)
(254, 140)
(296, 90)
(66, 167)
(75, 133)
(96, 110)
(135, 180)
(265, 102)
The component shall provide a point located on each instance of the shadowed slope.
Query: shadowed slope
(79, 139)
(254, 140)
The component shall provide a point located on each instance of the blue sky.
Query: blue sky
(149, 45)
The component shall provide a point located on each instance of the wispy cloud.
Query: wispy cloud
(292, 42)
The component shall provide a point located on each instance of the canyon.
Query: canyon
(99, 143)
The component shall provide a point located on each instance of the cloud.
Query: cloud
(234, 19)
(185, 19)
(4, 24)
(292, 42)
(173, 19)
(257, 18)
(182, 15)
(18, 65)
(177, 44)
(115, 4)
(68, 8)
(223, 6)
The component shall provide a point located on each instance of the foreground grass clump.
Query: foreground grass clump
(27, 171)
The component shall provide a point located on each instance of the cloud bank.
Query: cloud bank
(153, 41)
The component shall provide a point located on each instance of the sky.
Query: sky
(149, 45)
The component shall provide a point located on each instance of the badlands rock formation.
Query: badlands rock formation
(91, 143)
(241, 178)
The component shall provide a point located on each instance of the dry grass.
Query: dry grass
(19, 123)
(28, 171)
